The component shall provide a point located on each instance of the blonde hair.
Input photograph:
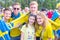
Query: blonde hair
(58, 5)
(34, 3)
(16, 3)
(45, 20)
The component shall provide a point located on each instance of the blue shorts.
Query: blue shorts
(37, 38)
(15, 38)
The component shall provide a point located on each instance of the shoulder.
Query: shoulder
(24, 26)
(23, 29)
(48, 27)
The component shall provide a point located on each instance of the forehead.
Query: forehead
(7, 11)
(32, 17)
(38, 16)
(33, 6)
(17, 6)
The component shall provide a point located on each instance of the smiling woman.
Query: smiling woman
(44, 30)
(28, 30)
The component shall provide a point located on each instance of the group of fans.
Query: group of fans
(30, 23)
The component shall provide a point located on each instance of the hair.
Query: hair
(34, 3)
(45, 22)
(16, 3)
(7, 9)
(58, 5)
(27, 8)
(28, 20)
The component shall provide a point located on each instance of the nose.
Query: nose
(33, 8)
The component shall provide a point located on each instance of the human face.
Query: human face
(26, 10)
(33, 8)
(7, 14)
(31, 20)
(40, 20)
(16, 9)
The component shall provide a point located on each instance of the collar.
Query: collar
(15, 16)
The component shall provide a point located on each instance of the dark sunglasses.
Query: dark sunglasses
(16, 8)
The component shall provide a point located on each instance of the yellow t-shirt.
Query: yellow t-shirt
(58, 22)
(15, 31)
(46, 33)
(29, 32)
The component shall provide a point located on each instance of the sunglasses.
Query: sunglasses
(16, 8)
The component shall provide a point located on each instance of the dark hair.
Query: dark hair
(7, 9)
(43, 9)
(28, 20)
(32, 15)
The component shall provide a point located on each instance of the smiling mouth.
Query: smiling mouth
(39, 21)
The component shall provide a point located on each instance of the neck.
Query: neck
(34, 13)
(5, 20)
(43, 25)
(59, 11)
(15, 13)
(30, 24)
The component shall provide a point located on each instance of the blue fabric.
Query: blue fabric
(9, 25)
(58, 33)
(15, 16)
(6, 37)
(54, 32)
(37, 38)
(55, 16)
(3, 28)
(15, 38)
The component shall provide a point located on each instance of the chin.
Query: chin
(39, 23)
(30, 23)
(7, 18)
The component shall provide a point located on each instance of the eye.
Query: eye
(31, 7)
(34, 7)
(38, 18)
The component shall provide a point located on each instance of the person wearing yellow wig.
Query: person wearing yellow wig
(43, 28)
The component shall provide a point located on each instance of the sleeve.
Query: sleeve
(55, 15)
(50, 32)
(23, 28)
(54, 23)
(10, 25)
(21, 20)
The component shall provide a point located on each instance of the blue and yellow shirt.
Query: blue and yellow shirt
(4, 31)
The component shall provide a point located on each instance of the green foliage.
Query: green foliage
(50, 4)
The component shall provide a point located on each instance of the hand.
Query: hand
(17, 25)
